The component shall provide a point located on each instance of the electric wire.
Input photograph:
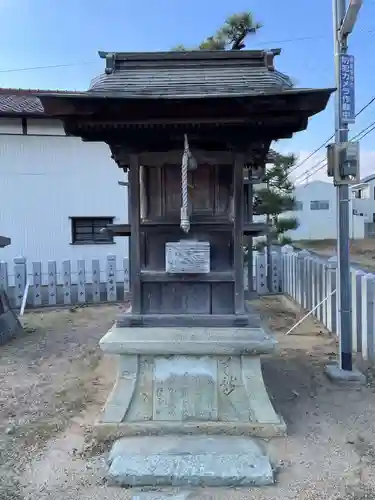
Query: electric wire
(84, 63)
(317, 167)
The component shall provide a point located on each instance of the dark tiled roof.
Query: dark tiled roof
(22, 102)
(20, 105)
(190, 74)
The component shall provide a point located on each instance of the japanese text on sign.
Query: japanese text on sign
(347, 97)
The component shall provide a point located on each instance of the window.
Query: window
(319, 205)
(86, 230)
(298, 205)
(358, 194)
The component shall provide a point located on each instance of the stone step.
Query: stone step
(188, 461)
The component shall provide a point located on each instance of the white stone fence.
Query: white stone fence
(67, 284)
(308, 280)
(81, 282)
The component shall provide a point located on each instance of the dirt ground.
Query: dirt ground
(362, 252)
(54, 382)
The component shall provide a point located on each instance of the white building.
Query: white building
(316, 211)
(56, 191)
(364, 204)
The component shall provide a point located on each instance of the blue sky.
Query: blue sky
(70, 32)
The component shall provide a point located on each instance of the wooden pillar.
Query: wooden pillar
(250, 194)
(134, 220)
(238, 226)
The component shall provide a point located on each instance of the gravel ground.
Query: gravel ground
(362, 252)
(54, 381)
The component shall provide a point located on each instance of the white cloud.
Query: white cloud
(313, 169)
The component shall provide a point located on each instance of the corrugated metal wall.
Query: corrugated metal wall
(45, 179)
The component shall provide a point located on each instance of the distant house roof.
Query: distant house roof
(369, 178)
(23, 102)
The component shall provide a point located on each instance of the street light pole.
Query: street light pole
(343, 253)
(345, 170)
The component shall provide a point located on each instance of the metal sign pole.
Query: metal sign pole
(343, 237)
(343, 166)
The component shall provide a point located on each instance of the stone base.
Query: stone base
(10, 326)
(130, 320)
(336, 374)
(188, 461)
(190, 380)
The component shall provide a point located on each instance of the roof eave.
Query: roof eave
(121, 95)
(22, 114)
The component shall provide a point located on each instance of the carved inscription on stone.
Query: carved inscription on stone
(233, 398)
(187, 256)
(185, 388)
(141, 405)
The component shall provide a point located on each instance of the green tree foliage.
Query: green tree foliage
(231, 36)
(278, 196)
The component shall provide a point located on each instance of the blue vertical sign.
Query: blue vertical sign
(347, 95)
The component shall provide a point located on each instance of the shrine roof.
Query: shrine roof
(189, 74)
(222, 88)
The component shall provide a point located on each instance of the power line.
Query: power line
(363, 133)
(85, 63)
(13, 70)
(327, 141)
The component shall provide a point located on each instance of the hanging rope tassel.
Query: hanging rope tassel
(185, 221)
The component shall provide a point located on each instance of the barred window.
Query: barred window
(86, 230)
(319, 205)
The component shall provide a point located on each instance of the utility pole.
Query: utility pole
(343, 166)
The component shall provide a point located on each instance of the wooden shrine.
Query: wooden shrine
(193, 131)
(229, 106)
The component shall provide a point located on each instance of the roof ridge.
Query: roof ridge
(18, 91)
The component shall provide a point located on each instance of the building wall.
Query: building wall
(314, 224)
(46, 178)
(366, 203)
(320, 224)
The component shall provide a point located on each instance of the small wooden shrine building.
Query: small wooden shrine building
(187, 228)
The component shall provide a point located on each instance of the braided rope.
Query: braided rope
(185, 221)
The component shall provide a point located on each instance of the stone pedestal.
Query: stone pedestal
(189, 381)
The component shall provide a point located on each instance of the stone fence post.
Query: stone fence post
(260, 273)
(368, 311)
(332, 300)
(285, 268)
(275, 269)
(302, 274)
(356, 278)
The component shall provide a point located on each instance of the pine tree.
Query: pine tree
(231, 36)
(278, 197)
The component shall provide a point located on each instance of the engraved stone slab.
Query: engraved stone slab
(188, 461)
(187, 257)
(185, 388)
